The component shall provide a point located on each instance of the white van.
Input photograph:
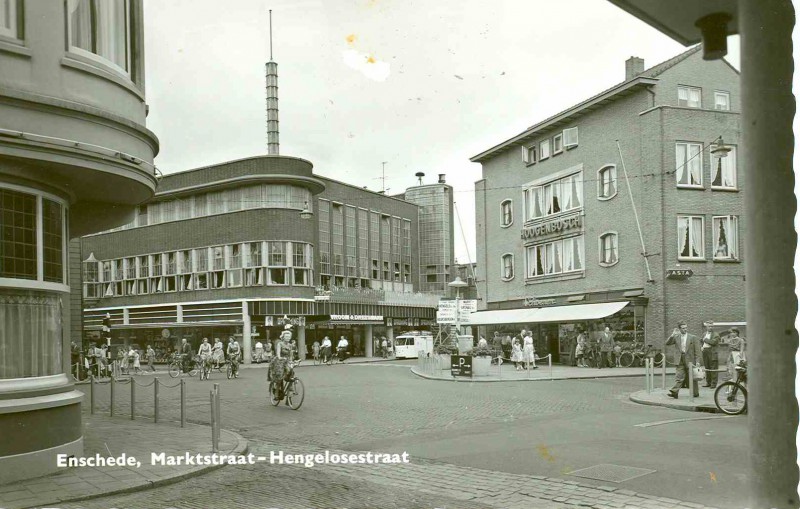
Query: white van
(408, 344)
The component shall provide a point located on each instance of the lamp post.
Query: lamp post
(306, 212)
(458, 284)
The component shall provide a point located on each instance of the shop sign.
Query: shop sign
(357, 318)
(679, 273)
(534, 302)
(279, 321)
(321, 294)
(461, 365)
(551, 227)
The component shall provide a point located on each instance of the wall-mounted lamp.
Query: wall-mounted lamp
(306, 212)
(719, 149)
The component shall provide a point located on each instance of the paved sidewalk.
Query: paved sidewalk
(109, 437)
(659, 397)
(162, 368)
(507, 373)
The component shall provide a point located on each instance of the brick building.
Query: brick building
(559, 244)
(238, 248)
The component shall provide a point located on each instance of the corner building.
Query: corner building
(75, 158)
(558, 219)
(243, 247)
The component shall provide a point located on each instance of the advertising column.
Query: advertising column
(247, 343)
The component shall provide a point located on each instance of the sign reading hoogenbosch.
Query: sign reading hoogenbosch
(551, 227)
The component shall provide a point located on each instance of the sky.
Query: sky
(419, 86)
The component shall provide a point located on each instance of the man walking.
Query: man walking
(710, 342)
(606, 348)
(690, 353)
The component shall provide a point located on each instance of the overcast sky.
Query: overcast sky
(422, 86)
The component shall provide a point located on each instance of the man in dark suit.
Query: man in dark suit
(606, 348)
(710, 342)
(690, 353)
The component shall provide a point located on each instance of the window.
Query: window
(18, 243)
(529, 154)
(609, 250)
(554, 197)
(544, 149)
(506, 215)
(558, 143)
(723, 171)
(101, 28)
(10, 16)
(722, 100)
(557, 257)
(607, 182)
(690, 238)
(507, 267)
(689, 164)
(689, 97)
(571, 137)
(726, 237)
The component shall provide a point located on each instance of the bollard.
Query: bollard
(550, 364)
(155, 399)
(691, 382)
(133, 399)
(91, 394)
(664, 372)
(214, 444)
(113, 383)
(217, 410)
(183, 403)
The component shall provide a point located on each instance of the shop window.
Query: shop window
(689, 164)
(608, 249)
(689, 97)
(607, 182)
(726, 237)
(723, 171)
(507, 267)
(690, 238)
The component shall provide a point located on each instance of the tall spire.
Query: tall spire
(273, 144)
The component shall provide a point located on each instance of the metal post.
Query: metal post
(691, 382)
(113, 383)
(155, 399)
(133, 399)
(91, 394)
(663, 372)
(647, 375)
(183, 403)
(213, 422)
(550, 364)
(217, 409)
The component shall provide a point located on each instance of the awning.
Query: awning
(573, 313)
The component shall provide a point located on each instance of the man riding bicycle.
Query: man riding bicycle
(234, 352)
(279, 368)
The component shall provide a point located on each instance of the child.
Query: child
(617, 354)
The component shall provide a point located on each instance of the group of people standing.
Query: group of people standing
(604, 347)
(518, 350)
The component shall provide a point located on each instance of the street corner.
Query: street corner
(661, 397)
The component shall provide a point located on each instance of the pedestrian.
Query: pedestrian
(497, 345)
(710, 342)
(325, 350)
(580, 349)
(516, 354)
(259, 352)
(505, 345)
(384, 347)
(528, 353)
(690, 353)
(151, 358)
(315, 349)
(122, 360)
(736, 346)
(103, 361)
(186, 352)
(482, 343)
(133, 360)
(606, 348)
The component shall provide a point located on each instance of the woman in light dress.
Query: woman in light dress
(516, 354)
(218, 353)
(528, 355)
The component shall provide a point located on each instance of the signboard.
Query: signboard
(679, 273)
(446, 312)
(280, 321)
(461, 365)
(357, 318)
(534, 302)
(551, 227)
(465, 309)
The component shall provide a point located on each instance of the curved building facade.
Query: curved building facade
(75, 158)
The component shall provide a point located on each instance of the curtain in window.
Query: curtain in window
(724, 172)
(695, 164)
(540, 260)
(566, 190)
(30, 334)
(80, 23)
(557, 257)
(549, 259)
(697, 237)
(538, 198)
(112, 29)
(577, 253)
(680, 163)
(556, 196)
(721, 238)
(577, 190)
(683, 236)
(694, 97)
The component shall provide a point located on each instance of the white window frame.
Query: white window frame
(503, 258)
(129, 28)
(13, 31)
(509, 203)
(726, 95)
(558, 143)
(541, 184)
(612, 169)
(601, 248)
(730, 158)
(548, 247)
(678, 164)
(544, 147)
(688, 90)
(529, 154)
(570, 137)
(691, 234)
(733, 241)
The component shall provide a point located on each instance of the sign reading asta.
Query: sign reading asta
(555, 226)
(679, 273)
(534, 302)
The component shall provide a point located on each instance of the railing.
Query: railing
(114, 406)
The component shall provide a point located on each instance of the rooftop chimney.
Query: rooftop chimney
(634, 66)
(441, 178)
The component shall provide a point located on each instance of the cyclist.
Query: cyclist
(341, 348)
(205, 352)
(279, 368)
(233, 355)
(326, 350)
(217, 353)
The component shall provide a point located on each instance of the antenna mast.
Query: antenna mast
(273, 135)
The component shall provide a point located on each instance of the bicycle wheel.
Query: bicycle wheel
(658, 359)
(174, 369)
(295, 393)
(229, 371)
(731, 398)
(272, 399)
(626, 359)
(193, 370)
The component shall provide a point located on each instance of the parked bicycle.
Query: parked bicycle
(731, 396)
(179, 365)
(638, 353)
(290, 388)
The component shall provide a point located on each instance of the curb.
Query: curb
(502, 380)
(704, 408)
(242, 446)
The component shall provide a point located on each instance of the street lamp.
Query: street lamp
(719, 149)
(458, 284)
(306, 212)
